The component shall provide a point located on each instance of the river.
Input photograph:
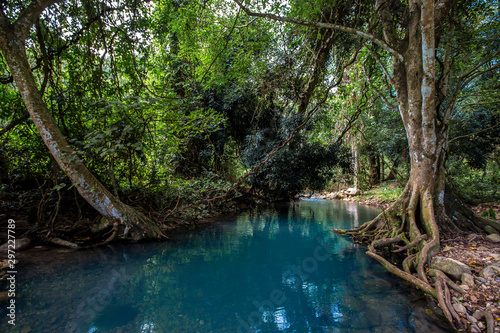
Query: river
(268, 270)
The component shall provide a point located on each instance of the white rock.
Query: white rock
(19, 245)
(475, 329)
(472, 319)
(491, 270)
(459, 308)
(352, 191)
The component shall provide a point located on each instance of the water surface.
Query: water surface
(271, 270)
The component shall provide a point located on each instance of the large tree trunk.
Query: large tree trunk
(127, 221)
(413, 223)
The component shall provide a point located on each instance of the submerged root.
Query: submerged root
(425, 287)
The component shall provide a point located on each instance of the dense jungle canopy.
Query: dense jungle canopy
(149, 112)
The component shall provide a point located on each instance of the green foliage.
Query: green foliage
(177, 98)
(388, 193)
(475, 185)
(490, 213)
(473, 143)
(291, 171)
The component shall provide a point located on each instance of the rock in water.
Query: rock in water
(452, 267)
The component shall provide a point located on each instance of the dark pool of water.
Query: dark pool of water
(269, 270)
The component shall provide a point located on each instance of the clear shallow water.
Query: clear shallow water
(274, 270)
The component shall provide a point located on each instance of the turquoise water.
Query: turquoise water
(272, 270)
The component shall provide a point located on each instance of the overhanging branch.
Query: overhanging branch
(29, 16)
(352, 31)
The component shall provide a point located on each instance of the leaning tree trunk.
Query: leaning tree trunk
(127, 221)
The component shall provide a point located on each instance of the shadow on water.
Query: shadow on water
(268, 270)
(115, 315)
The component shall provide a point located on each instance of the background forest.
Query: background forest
(170, 102)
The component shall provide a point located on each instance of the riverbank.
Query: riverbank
(475, 256)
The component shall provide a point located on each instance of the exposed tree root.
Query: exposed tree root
(137, 226)
(490, 321)
(410, 227)
(62, 242)
(411, 244)
(443, 302)
(402, 274)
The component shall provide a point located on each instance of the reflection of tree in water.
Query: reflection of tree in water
(63, 291)
(230, 275)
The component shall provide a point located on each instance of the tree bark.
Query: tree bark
(12, 44)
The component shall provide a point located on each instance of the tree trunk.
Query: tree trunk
(382, 166)
(355, 161)
(426, 204)
(128, 221)
(374, 167)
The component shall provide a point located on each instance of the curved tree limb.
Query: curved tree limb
(29, 16)
(352, 31)
(14, 123)
(425, 287)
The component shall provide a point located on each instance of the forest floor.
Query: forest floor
(482, 291)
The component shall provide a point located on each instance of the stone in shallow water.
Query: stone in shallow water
(374, 317)
(376, 285)
(353, 304)
(360, 322)
(419, 320)
(383, 329)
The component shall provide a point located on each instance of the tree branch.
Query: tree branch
(385, 15)
(228, 37)
(29, 16)
(377, 59)
(471, 134)
(352, 31)
(55, 53)
(382, 96)
(13, 123)
(469, 75)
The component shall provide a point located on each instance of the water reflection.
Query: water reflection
(269, 270)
